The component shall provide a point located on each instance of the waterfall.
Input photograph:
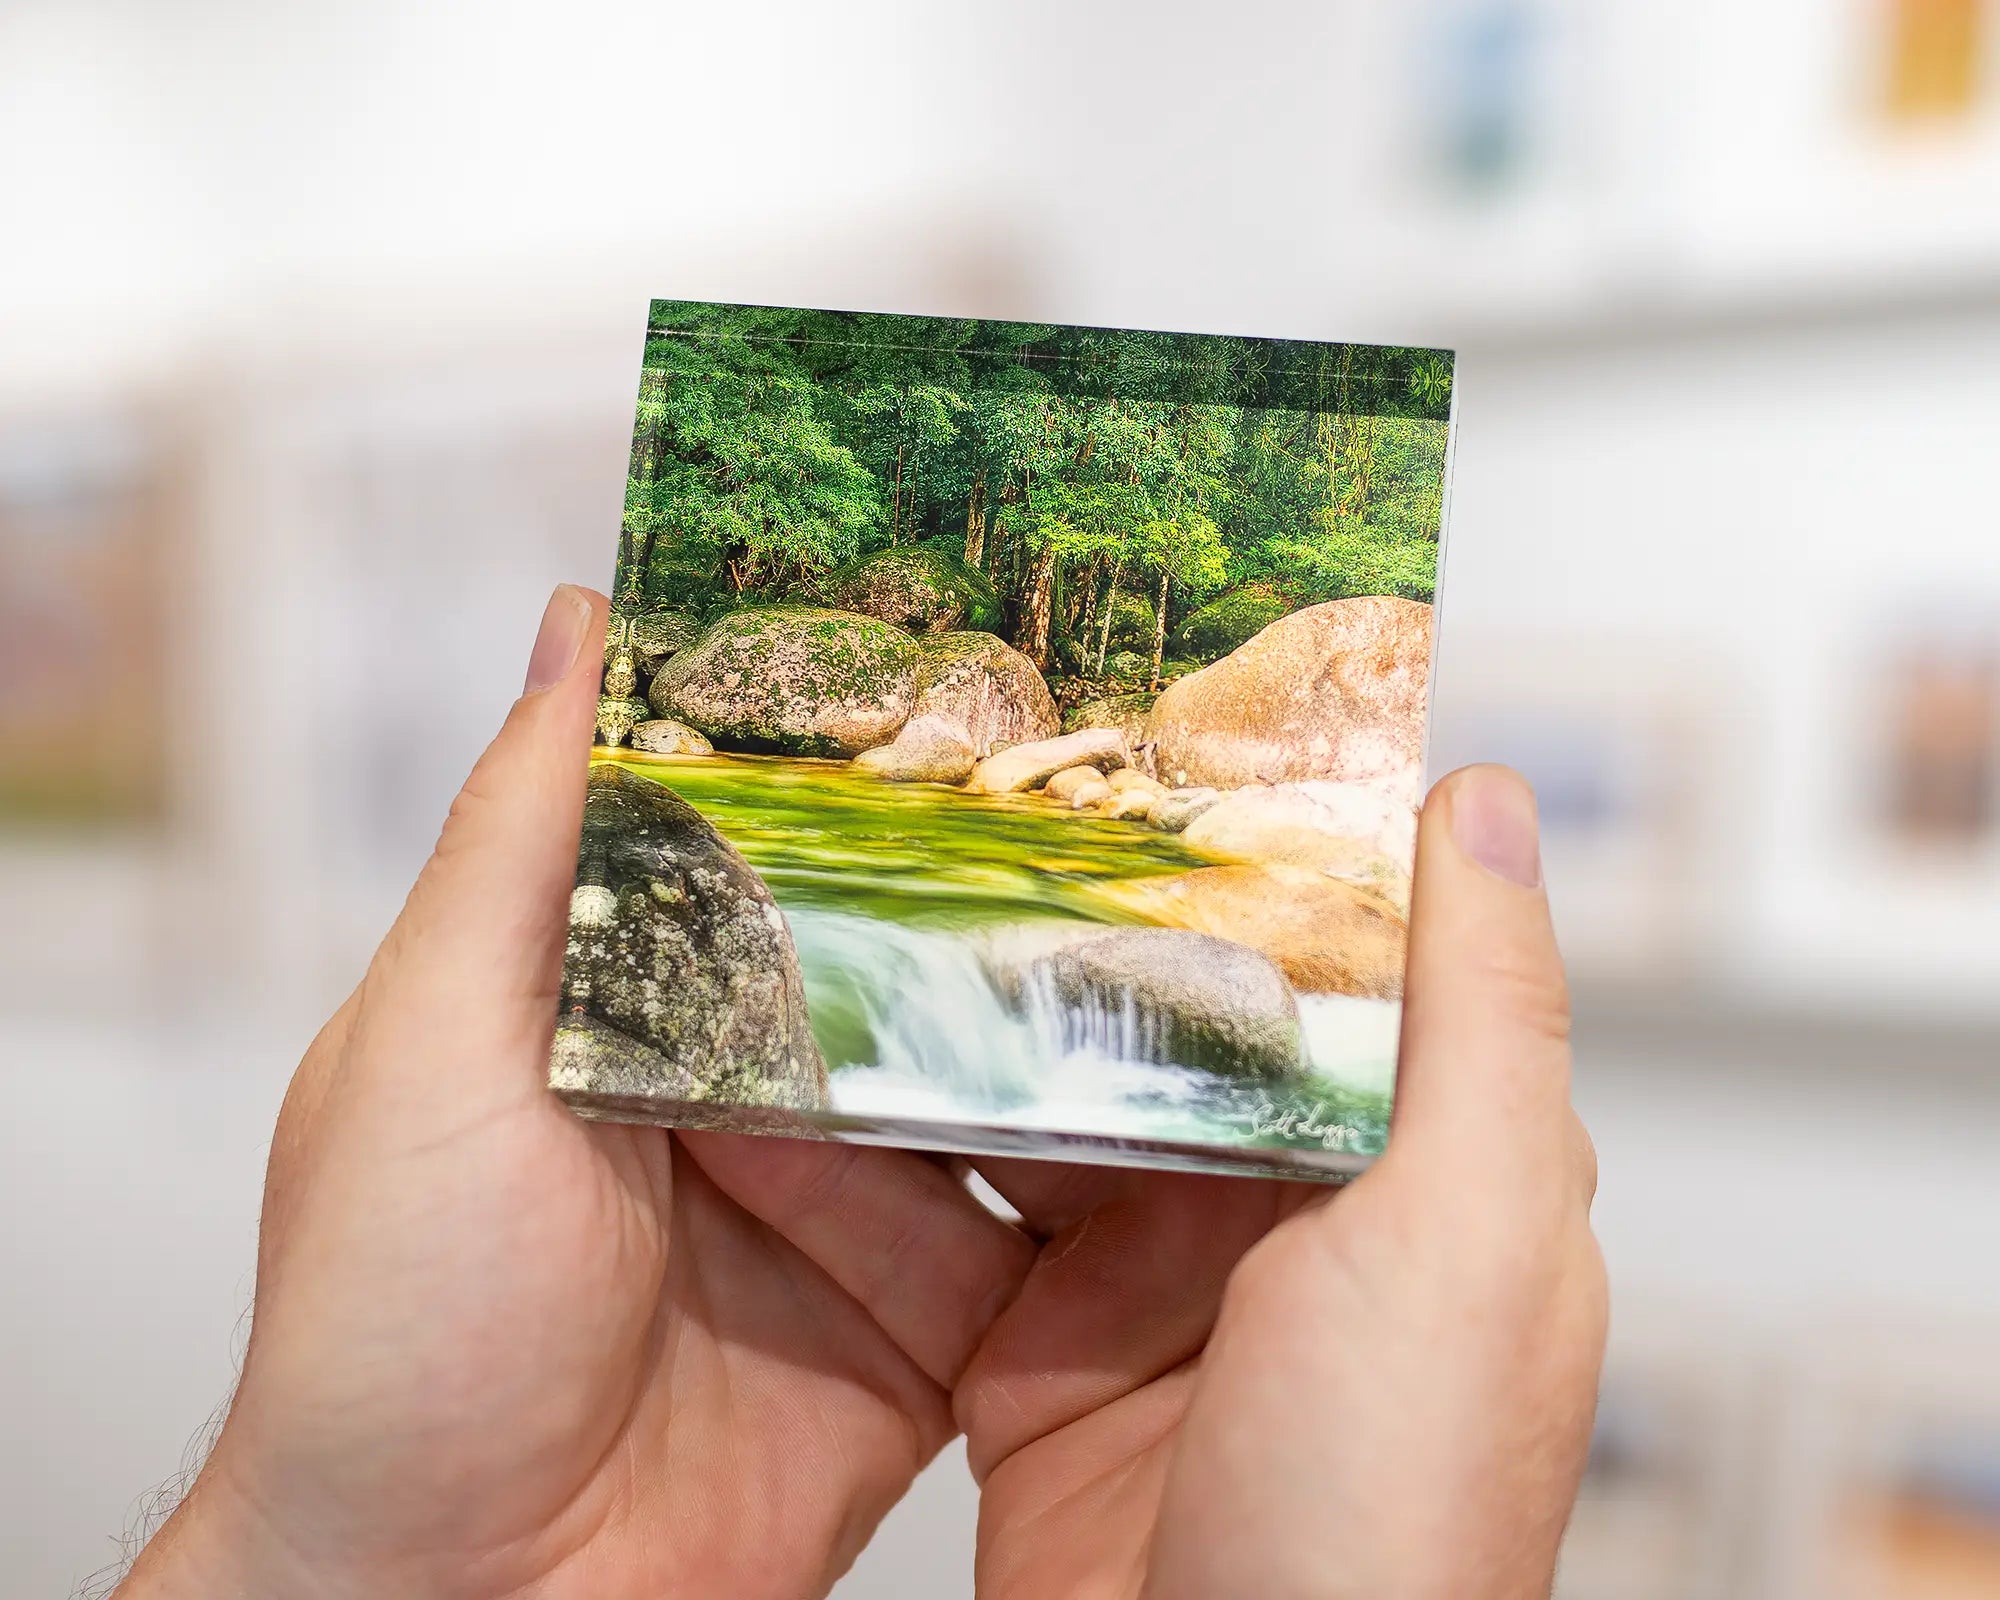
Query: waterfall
(914, 1026)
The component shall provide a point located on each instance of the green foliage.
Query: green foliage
(1131, 623)
(1085, 500)
(924, 587)
(1228, 622)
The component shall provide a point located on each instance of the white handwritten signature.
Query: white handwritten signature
(1269, 1121)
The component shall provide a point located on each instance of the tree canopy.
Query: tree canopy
(1078, 468)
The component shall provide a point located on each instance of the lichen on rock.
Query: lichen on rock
(676, 945)
(792, 680)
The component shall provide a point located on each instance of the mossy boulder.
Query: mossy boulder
(680, 961)
(917, 587)
(1132, 624)
(1224, 625)
(657, 636)
(1125, 712)
(792, 680)
(986, 686)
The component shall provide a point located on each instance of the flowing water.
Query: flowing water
(895, 891)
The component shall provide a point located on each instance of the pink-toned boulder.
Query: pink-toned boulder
(1024, 766)
(1334, 691)
(1066, 783)
(1353, 830)
(928, 750)
(1327, 937)
(988, 687)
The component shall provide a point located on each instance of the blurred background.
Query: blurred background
(319, 334)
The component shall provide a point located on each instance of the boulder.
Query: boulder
(1092, 792)
(928, 750)
(1126, 779)
(792, 680)
(662, 736)
(621, 675)
(617, 717)
(1179, 807)
(676, 944)
(1360, 831)
(1064, 785)
(591, 1060)
(1180, 996)
(1333, 691)
(991, 689)
(657, 636)
(1026, 765)
(1132, 624)
(916, 587)
(1129, 805)
(1125, 712)
(1228, 623)
(1326, 936)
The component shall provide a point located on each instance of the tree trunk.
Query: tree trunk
(1036, 610)
(1084, 625)
(896, 499)
(642, 567)
(1160, 629)
(1110, 611)
(1364, 466)
(975, 522)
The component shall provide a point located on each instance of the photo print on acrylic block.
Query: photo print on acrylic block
(1011, 739)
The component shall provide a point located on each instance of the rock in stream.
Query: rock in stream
(680, 981)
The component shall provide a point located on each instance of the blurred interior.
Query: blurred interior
(319, 330)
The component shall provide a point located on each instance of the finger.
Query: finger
(469, 974)
(1484, 1077)
(1120, 1296)
(1049, 1195)
(898, 1232)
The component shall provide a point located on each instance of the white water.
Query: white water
(914, 1028)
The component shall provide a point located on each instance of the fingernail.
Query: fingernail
(1493, 819)
(560, 638)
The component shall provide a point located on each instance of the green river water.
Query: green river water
(892, 890)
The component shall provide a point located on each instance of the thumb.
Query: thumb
(473, 965)
(1484, 1078)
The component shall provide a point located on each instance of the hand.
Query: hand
(501, 1351)
(1213, 1387)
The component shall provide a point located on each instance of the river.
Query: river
(893, 890)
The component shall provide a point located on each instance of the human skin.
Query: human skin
(1211, 1388)
(499, 1351)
